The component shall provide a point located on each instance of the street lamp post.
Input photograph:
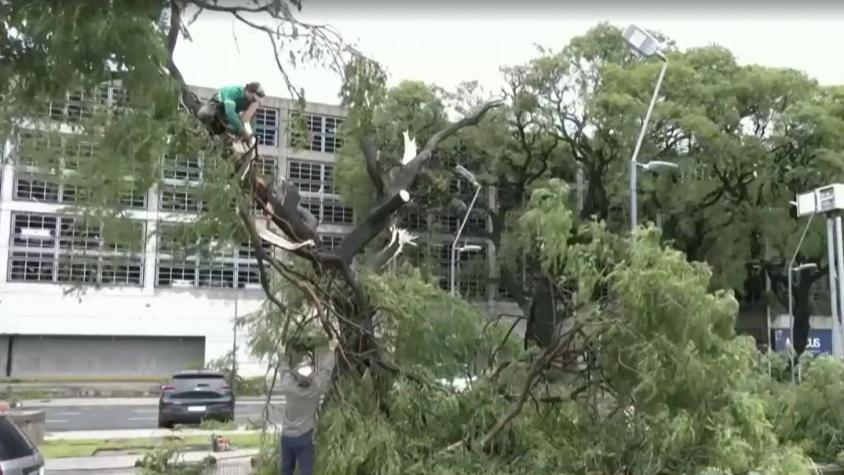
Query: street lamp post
(645, 45)
(469, 176)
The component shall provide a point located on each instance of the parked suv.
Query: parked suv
(191, 396)
(18, 455)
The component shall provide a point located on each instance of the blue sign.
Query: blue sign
(819, 341)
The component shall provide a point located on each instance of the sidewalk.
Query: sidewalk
(227, 462)
(84, 389)
(128, 401)
(139, 433)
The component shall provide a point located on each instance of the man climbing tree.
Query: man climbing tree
(230, 109)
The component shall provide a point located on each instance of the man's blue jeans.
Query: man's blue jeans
(297, 452)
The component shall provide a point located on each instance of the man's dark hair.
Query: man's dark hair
(255, 87)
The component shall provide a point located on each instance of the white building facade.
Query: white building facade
(137, 312)
(74, 305)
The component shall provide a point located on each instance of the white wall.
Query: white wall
(36, 309)
(49, 309)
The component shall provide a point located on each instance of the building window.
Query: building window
(70, 249)
(472, 274)
(335, 213)
(247, 250)
(34, 189)
(73, 193)
(184, 199)
(181, 263)
(315, 182)
(46, 190)
(329, 211)
(413, 220)
(266, 126)
(53, 151)
(113, 97)
(79, 105)
(322, 133)
(131, 196)
(471, 270)
(268, 166)
(38, 149)
(75, 106)
(31, 267)
(448, 223)
(331, 241)
(310, 177)
(76, 151)
(313, 207)
(182, 168)
(34, 231)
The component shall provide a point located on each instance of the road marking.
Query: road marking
(57, 421)
(145, 411)
(68, 413)
(143, 418)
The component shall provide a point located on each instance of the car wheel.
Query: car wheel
(162, 424)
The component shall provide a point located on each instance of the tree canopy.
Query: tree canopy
(630, 362)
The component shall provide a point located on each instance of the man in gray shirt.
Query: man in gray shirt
(303, 387)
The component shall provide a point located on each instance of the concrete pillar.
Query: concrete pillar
(6, 188)
(151, 241)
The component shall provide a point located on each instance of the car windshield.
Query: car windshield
(13, 444)
(199, 379)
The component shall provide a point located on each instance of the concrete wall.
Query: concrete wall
(47, 310)
(56, 356)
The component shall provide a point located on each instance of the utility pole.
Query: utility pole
(234, 345)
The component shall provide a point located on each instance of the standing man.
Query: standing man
(231, 109)
(303, 387)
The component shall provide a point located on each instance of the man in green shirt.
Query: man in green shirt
(230, 110)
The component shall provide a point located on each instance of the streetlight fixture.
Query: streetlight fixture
(647, 46)
(467, 175)
(471, 178)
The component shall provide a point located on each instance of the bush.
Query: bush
(254, 386)
(811, 414)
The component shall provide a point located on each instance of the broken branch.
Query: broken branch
(371, 226)
(370, 155)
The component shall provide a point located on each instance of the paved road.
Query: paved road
(104, 417)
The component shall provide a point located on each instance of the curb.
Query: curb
(128, 434)
(126, 463)
(61, 391)
(116, 401)
(70, 391)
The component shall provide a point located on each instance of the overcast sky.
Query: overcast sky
(447, 43)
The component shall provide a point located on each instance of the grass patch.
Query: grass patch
(24, 395)
(53, 449)
(86, 379)
(211, 424)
